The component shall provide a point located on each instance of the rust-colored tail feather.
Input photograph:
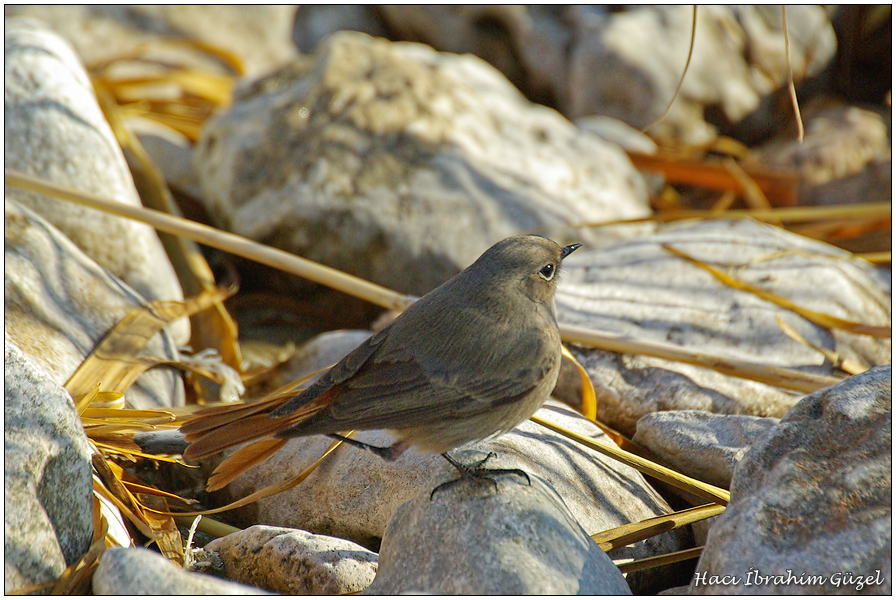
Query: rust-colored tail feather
(209, 419)
(242, 460)
(216, 429)
(230, 435)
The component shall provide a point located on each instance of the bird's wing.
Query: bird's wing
(395, 390)
(338, 374)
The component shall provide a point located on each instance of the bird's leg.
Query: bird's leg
(476, 471)
(388, 452)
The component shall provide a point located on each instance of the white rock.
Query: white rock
(55, 130)
(401, 165)
(699, 443)
(639, 289)
(628, 65)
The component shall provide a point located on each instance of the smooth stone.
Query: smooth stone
(506, 536)
(637, 288)
(47, 484)
(813, 498)
(55, 130)
(295, 562)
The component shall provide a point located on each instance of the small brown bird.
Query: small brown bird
(470, 360)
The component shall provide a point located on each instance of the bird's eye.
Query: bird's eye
(547, 271)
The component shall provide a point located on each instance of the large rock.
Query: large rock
(639, 289)
(55, 130)
(401, 165)
(295, 562)
(47, 485)
(506, 536)
(59, 304)
(811, 502)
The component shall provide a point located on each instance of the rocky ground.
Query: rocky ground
(396, 144)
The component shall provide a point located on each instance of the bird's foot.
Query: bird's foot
(478, 472)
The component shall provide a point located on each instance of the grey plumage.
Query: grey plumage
(471, 359)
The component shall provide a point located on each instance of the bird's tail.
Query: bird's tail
(219, 428)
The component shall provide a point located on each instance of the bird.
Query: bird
(468, 361)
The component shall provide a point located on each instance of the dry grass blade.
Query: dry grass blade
(240, 246)
(589, 398)
(206, 525)
(822, 319)
(790, 85)
(115, 362)
(844, 364)
(114, 491)
(167, 91)
(128, 415)
(124, 446)
(153, 509)
(753, 195)
(876, 258)
(139, 488)
(153, 522)
(210, 328)
(635, 532)
(683, 73)
(214, 88)
(670, 476)
(777, 376)
(629, 566)
(589, 407)
(780, 188)
(786, 214)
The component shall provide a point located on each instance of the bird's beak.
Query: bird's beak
(569, 250)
